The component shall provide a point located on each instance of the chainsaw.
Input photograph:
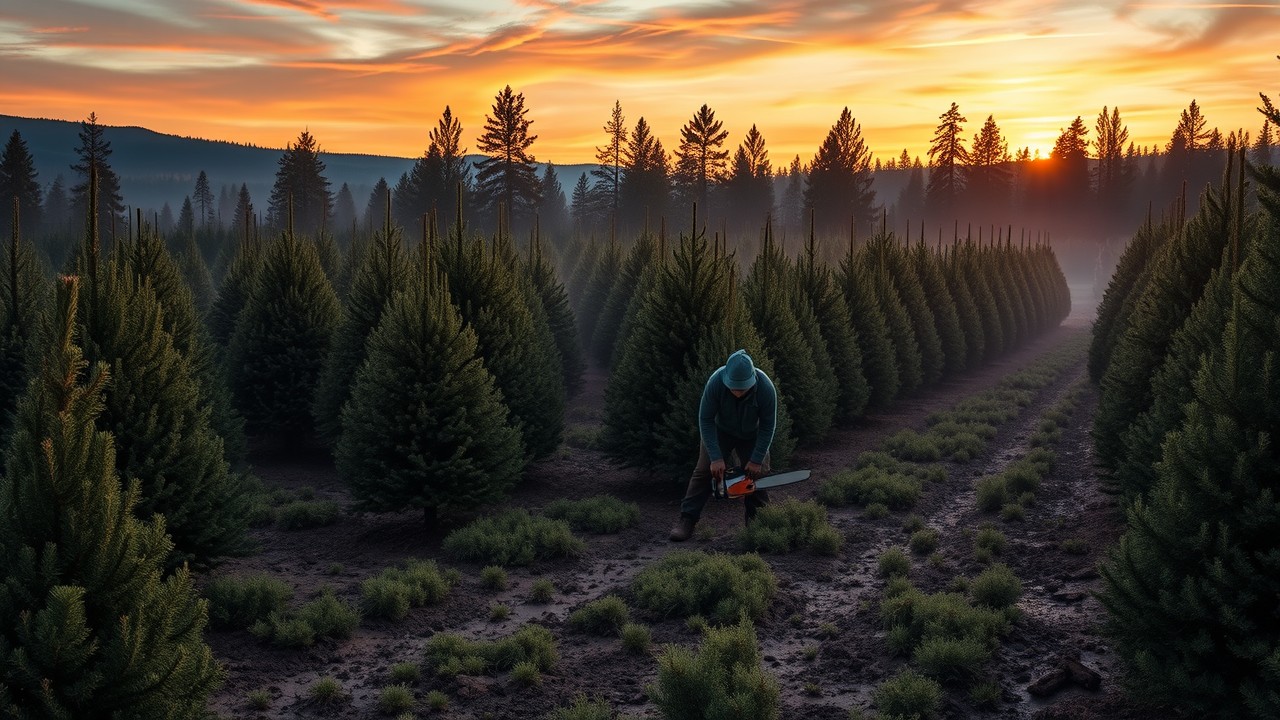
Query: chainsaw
(736, 484)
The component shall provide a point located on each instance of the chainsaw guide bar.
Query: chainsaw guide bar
(736, 484)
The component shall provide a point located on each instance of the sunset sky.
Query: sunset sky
(373, 75)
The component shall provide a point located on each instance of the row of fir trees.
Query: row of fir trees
(1185, 349)
(883, 321)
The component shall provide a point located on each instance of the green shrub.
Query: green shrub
(791, 525)
(913, 523)
(526, 674)
(900, 640)
(894, 562)
(437, 700)
(335, 569)
(908, 695)
(870, 485)
(896, 585)
(304, 514)
(990, 540)
(239, 602)
(405, 673)
(1042, 459)
(512, 538)
(985, 694)
(605, 616)
(636, 638)
(723, 678)
(392, 592)
(326, 690)
(811, 653)
(992, 493)
(601, 514)
(1027, 499)
(951, 659)
(493, 578)
(1012, 512)
(324, 617)
(395, 699)
(499, 612)
(697, 624)
(812, 688)
(718, 586)
(924, 541)
(541, 591)
(947, 615)
(583, 709)
(450, 654)
(1021, 477)
(582, 438)
(910, 445)
(875, 511)
(996, 587)
(259, 699)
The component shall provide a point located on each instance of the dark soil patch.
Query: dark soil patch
(825, 604)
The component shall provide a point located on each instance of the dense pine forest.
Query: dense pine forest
(415, 454)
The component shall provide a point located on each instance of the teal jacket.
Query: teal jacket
(754, 415)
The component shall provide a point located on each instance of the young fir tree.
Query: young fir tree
(330, 256)
(933, 285)
(1015, 291)
(687, 324)
(197, 276)
(816, 287)
(895, 260)
(90, 625)
(483, 284)
(234, 291)
(902, 332)
(426, 427)
(583, 269)
(648, 277)
(596, 291)
(22, 299)
(988, 266)
(966, 308)
(1191, 588)
(383, 273)
(281, 338)
(767, 294)
(541, 273)
(154, 406)
(871, 330)
(984, 298)
(1177, 281)
(1128, 279)
(1036, 288)
(1135, 472)
(605, 338)
(146, 257)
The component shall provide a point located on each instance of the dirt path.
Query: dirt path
(817, 595)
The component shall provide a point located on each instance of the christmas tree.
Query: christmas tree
(483, 285)
(384, 271)
(966, 308)
(871, 330)
(153, 407)
(605, 338)
(234, 291)
(902, 332)
(281, 339)
(90, 627)
(767, 294)
(1191, 588)
(426, 427)
(1127, 282)
(883, 252)
(937, 294)
(541, 274)
(22, 291)
(816, 287)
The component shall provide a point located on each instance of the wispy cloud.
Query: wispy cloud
(371, 75)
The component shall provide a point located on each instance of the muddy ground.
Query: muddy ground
(1060, 614)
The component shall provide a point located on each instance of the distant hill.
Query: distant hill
(155, 168)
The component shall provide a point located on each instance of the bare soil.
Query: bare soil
(1060, 613)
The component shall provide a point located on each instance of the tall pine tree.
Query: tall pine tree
(22, 299)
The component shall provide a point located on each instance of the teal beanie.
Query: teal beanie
(739, 372)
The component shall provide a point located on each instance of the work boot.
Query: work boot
(683, 529)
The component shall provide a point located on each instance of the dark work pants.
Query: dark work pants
(736, 452)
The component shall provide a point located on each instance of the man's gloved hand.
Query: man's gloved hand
(717, 470)
(754, 470)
